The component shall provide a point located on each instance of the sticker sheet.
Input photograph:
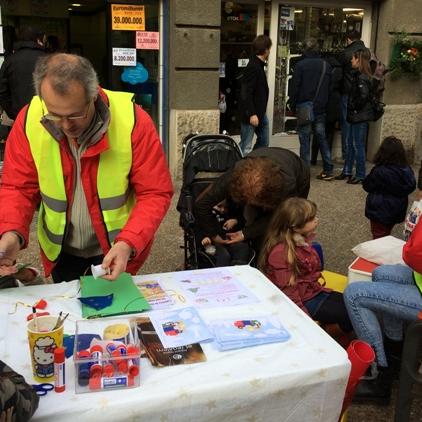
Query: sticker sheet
(245, 331)
(180, 327)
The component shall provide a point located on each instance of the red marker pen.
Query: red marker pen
(59, 370)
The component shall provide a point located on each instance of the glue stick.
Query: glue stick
(59, 370)
(134, 352)
(96, 353)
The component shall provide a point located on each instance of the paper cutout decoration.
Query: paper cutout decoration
(97, 302)
(127, 299)
(135, 75)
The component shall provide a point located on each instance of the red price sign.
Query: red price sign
(147, 40)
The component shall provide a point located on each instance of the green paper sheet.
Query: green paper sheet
(127, 298)
(418, 280)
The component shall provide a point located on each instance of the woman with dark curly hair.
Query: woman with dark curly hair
(258, 183)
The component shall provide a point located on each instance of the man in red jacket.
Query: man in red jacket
(94, 163)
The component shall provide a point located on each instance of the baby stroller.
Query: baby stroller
(205, 159)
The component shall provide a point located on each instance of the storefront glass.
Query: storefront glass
(238, 29)
(86, 28)
(295, 25)
(142, 79)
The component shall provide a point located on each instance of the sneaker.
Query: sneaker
(354, 181)
(342, 176)
(325, 176)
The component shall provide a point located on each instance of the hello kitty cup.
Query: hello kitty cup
(43, 339)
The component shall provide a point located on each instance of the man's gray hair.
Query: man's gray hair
(311, 44)
(61, 69)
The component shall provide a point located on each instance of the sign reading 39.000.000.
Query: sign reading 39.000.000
(127, 17)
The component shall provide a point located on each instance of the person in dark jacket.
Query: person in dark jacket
(258, 183)
(353, 44)
(18, 400)
(388, 184)
(306, 87)
(16, 87)
(254, 97)
(333, 114)
(359, 112)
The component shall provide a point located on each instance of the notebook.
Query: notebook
(127, 299)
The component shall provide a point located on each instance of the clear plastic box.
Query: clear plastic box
(106, 355)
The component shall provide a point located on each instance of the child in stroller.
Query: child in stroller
(226, 254)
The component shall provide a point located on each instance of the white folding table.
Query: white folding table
(303, 379)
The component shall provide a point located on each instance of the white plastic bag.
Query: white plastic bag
(385, 250)
(412, 218)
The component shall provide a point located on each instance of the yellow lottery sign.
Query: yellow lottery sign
(126, 17)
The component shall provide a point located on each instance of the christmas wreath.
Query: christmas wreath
(406, 58)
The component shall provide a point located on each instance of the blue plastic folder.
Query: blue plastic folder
(127, 299)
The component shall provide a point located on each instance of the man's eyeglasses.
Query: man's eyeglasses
(57, 118)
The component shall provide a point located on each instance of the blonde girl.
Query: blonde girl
(290, 261)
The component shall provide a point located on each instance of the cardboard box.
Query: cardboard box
(361, 270)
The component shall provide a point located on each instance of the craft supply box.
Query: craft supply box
(106, 355)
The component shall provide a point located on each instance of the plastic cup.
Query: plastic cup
(42, 342)
(361, 355)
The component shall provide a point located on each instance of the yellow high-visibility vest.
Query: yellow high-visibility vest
(115, 194)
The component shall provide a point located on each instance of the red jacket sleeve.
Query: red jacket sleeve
(281, 273)
(19, 192)
(151, 181)
(412, 250)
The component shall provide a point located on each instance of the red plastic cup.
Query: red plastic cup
(361, 355)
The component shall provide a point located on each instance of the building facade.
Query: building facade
(178, 56)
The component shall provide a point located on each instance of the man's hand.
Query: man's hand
(235, 237)
(218, 240)
(253, 120)
(418, 195)
(229, 224)
(9, 248)
(116, 260)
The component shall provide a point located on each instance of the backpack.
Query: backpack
(378, 70)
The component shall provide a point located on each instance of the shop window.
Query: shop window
(142, 79)
(238, 30)
(328, 25)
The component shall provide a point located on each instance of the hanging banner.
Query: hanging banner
(124, 56)
(147, 40)
(127, 17)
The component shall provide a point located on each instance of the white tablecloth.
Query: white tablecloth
(303, 379)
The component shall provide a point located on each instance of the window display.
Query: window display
(296, 24)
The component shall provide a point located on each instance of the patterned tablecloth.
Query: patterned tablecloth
(303, 379)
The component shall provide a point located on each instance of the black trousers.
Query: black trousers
(235, 254)
(333, 311)
(71, 267)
